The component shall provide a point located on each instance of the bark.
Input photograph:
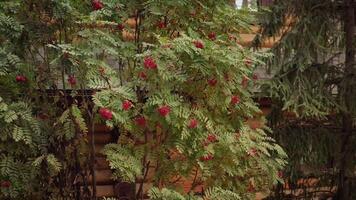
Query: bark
(348, 93)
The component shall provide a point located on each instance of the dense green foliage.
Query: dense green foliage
(314, 72)
(174, 82)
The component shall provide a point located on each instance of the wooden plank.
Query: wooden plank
(105, 191)
(101, 128)
(103, 177)
(255, 123)
(102, 138)
(99, 150)
(145, 188)
(101, 163)
(245, 39)
(125, 190)
(260, 196)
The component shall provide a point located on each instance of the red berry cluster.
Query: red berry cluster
(212, 82)
(72, 80)
(248, 62)
(161, 24)
(102, 71)
(43, 116)
(232, 37)
(5, 184)
(149, 63)
(167, 46)
(255, 77)
(193, 13)
(164, 110)
(244, 82)
(210, 139)
(97, 5)
(21, 79)
(207, 157)
(198, 44)
(252, 152)
(141, 121)
(212, 36)
(142, 75)
(126, 105)
(227, 77)
(105, 113)
(250, 188)
(65, 55)
(280, 174)
(237, 135)
(235, 100)
(193, 123)
(120, 27)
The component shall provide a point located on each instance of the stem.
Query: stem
(90, 113)
(194, 184)
(140, 191)
(64, 89)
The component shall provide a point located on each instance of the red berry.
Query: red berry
(167, 46)
(193, 13)
(43, 116)
(21, 79)
(126, 105)
(212, 138)
(105, 113)
(244, 82)
(198, 44)
(250, 187)
(120, 27)
(161, 24)
(102, 71)
(252, 152)
(207, 157)
(141, 121)
(66, 55)
(164, 110)
(255, 77)
(212, 82)
(158, 125)
(232, 37)
(5, 184)
(238, 135)
(206, 143)
(142, 75)
(235, 100)
(212, 36)
(280, 174)
(72, 80)
(97, 4)
(226, 77)
(149, 63)
(248, 62)
(193, 123)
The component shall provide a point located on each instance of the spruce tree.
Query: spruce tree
(314, 76)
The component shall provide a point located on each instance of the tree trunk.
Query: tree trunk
(348, 93)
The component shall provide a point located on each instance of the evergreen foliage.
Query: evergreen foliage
(314, 72)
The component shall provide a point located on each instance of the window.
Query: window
(264, 3)
(252, 3)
